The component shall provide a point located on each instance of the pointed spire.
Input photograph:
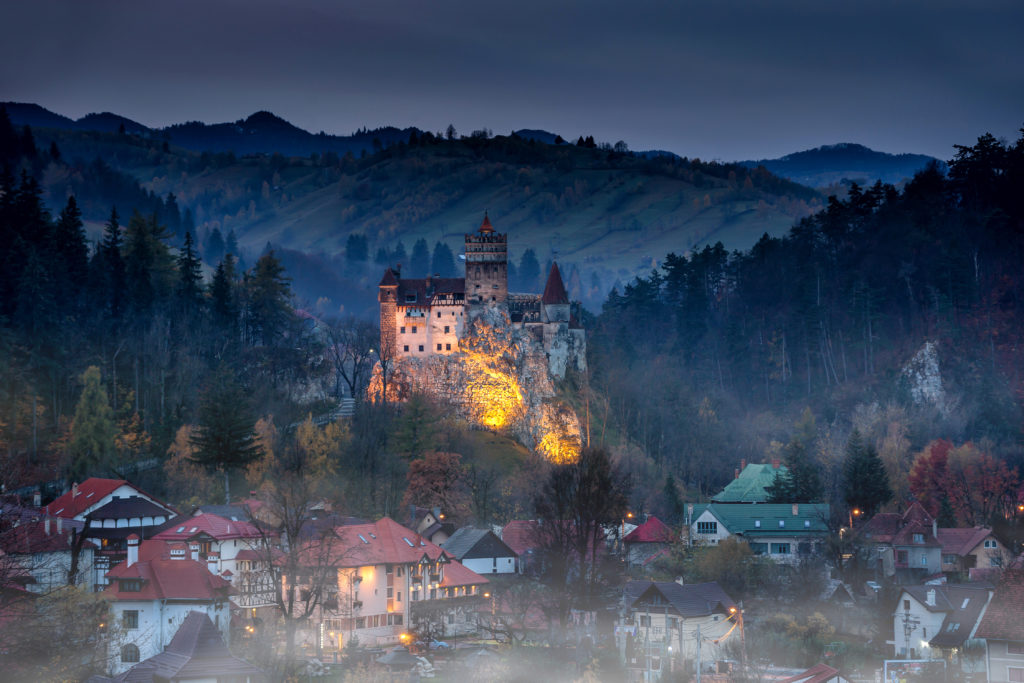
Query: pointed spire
(554, 290)
(486, 226)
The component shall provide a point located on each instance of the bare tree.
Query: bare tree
(350, 348)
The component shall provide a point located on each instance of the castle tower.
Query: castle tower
(387, 295)
(554, 301)
(486, 265)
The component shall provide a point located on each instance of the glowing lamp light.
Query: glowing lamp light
(487, 595)
(732, 610)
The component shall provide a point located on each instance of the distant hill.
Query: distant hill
(832, 164)
(606, 215)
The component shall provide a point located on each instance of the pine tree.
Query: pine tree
(442, 262)
(419, 265)
(224, 439)
(867, 484)
(112, 262)
(91, 448)
(270, 295)
(189, 293)
(801, 482)
(72, 252)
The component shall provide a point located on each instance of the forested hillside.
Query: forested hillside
(898, 313)
(607, 214)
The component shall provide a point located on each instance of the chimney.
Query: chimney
(930, 599)
(46, 526)
(796, 509)
(743, 464)
(60, 526)
(935, 528)
(735, 474)
(194, 547)
(775, 463)
(133, 550)
(74, 490)
(37, 499)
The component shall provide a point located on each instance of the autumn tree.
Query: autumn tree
(964, 479)
(93, 430)
(438, 480)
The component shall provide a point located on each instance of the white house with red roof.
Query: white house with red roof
(111, 509)
(388, 577)
(153, 591)
(44, 549)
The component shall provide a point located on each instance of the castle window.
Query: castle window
(447, 329)
(447, 347)
(410, 298)
(438, 347)
(414, 329)
(421, 347)
(402, 329)
(406, 348)
(439, 314)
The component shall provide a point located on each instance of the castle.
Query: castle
(425, 317)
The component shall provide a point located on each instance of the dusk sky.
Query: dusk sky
(728, 79)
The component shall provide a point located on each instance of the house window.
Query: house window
(901, 557)
(990, 543)
(759, 548)
(949, 559)
(906, 605)
(360, 622)
(707, 527)
(421, 347)
(130, 653)
(995, 561)
(1016, 648)
(130, 619)
(780, 549)
(131, 586)
(645, 620)
(1015, 674)
(918, 538)
(782, 523)
(398, 620)
(391, 592)
(451, 618)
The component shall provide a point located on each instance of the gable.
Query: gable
(488, 546)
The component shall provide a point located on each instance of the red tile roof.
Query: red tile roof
(382, 542)
(214, 526)
(390, 279)
(90, 492)
(819, 673)
(651, 531)
(520, 535)
(905, 536)
(1002, 620)
(458, 574)
(554, 290)
(962, 541)
(486, 225)
(165, 579)
(32, 537)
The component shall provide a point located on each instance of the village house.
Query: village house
(154, 590)
(111, 509)
(388, 578)
(647, 541)
(45, 549)
(1002, 628)
(785, 533)
(933, 621)
(972, 548)
(481, 551)
(662, 623)
(750, 483)
(196, 654)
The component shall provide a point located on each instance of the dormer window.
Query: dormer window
(410, 298)
(919, 538)
(131, 585)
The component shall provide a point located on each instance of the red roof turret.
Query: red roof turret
(486, 226)
(554, 290)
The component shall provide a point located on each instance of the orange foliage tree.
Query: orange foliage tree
(975, 485)
(438, 479)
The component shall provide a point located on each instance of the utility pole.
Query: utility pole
(698, 653)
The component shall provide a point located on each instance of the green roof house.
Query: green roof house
(784, 532)
(750, 483)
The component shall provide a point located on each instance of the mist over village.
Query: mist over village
(451, 342)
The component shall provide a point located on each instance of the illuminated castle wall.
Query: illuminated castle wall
(425, 317)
